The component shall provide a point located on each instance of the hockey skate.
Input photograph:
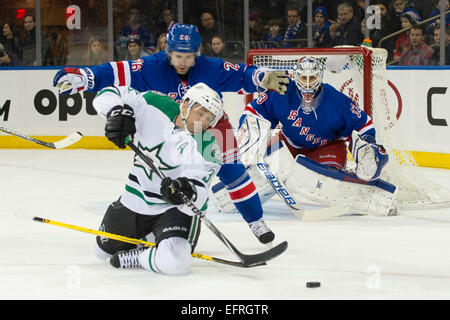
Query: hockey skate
(126, 259)
(262, 231)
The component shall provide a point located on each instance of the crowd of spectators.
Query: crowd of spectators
(272, 24)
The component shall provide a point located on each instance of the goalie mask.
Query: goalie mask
(205, 97)
(308, 75)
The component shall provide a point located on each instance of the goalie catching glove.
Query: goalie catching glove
(120, 124)
(370, 157)
(271, 80)
(172, 191)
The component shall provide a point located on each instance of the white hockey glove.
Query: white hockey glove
(271, 80)
(73, 80)
(370, 158)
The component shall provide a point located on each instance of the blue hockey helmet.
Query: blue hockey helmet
(183, 38)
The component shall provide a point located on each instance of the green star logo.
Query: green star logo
(154, 154)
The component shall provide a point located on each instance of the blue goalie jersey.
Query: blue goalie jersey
(334, 117)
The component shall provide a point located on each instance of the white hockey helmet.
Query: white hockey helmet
(308, 75)
(205, 96)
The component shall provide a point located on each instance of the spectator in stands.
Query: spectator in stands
(29, 43)
(436, 11)
(349, 31)
(166, 20)
(321, 29)
(161, 45)
(218, 47)
(58, 51)
(333, 30)
(399, 6)
(10, 39)
(295, 29)
(135, 26)
(208, 27)
(409, 18)
(96, 54)
(418, 52)
(7, 59)
(389, 25)
(359, 9)
(436, 46)
(255, 29)
(273, 38)
(135, 48)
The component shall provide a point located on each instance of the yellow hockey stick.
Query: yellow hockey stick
(131, 240)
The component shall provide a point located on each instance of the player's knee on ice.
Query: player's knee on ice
(171, 257)
(100, 253)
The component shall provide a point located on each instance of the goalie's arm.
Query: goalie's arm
(260, 107)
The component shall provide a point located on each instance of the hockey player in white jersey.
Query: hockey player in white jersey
(173, 135)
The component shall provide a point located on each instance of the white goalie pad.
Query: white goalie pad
(267, 170)
(332, 187)
(252, 138)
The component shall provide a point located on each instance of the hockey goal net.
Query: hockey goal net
(360, 73)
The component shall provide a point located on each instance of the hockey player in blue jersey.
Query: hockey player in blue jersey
(317, 121)
(172, 72)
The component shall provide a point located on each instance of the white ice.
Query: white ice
(354, 257)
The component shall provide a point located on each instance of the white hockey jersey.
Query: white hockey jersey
(175, 152)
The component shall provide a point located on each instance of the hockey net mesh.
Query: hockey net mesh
(345, 71)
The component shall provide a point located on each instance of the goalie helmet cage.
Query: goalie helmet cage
(360, 73)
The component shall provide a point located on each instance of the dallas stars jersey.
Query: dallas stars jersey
(175, 152)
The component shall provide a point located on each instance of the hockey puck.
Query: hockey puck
(313, 284)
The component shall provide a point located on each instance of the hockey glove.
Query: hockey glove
(172, 191)
(73, 80)
(370, 157)
(120, 123)
(272, 80)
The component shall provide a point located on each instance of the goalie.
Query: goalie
(307, 156)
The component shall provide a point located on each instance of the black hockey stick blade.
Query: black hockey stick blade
(253, 260)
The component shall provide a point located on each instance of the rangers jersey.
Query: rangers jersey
(175, 152)
(334, 117)
(156, 73)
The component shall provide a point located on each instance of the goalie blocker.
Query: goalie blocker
(304, 178)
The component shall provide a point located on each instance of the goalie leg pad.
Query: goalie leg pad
(332, 187)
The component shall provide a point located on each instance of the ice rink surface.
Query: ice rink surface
(354, 257)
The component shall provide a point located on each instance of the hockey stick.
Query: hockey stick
(246, 259)
(131, 240)
(61, 144)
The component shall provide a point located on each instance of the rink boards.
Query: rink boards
(29, 104)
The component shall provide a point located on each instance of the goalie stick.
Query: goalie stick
(61, 144)
(247, 260)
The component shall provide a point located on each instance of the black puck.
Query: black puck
(313, 284)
